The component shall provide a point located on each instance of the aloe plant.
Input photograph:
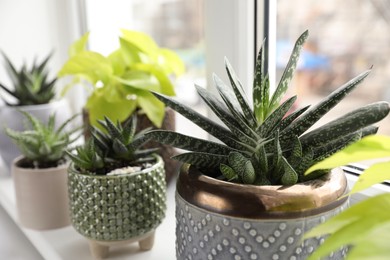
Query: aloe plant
(261, 143)
(115, 147)
(44, 145)
(122, 80)
(30, 86)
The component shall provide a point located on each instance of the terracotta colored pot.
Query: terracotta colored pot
(41, 196)
(223, 220)
(118, 209)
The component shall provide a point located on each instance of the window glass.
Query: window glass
(346, 38)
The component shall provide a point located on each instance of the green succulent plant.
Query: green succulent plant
(116, 147)
(30, 86)
(262, 143)
(44, 145)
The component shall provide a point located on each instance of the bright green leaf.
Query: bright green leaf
(172, 62)
(153, 108)
(98, 106)
(90, 65)
(370, 147)
(166, 86)
(375, 174)
(79, 45)
(141, 41)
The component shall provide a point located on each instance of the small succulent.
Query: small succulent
(117, 146)
(29, 86)
(263, 143)
(43, 145)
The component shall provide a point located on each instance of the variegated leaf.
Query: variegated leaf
(288, 72)
(202, 160)
(275, 118)
(203, 122)
(243, 133)
(311, 116)
(188, 142)
(349, 123)
(240, 95)
(290, 177)
(291, 117)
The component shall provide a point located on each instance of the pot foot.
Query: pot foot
(98, 251)
(146, 243)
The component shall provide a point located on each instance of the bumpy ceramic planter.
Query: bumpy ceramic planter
(222, 220)
(119, 209)
(41, 196)
(12, 118)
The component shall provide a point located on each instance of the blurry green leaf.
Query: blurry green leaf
(141, 41)
(153, 108)
(353, 226)
(117, 62)
(370, 147)
(99, 106)
(90, 65)
(166, 86)
(375, 174)
(79, 45)
(140, 80)
(130, 53)
(171, 62)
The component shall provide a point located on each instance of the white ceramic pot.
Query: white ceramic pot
(41, 196)
(10, 117)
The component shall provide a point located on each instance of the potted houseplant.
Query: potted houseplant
(30, 90)
(248, 197)
(116, 190)
(365, 226)
(120, 83)
(40, 174)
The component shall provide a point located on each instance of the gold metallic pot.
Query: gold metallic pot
(223, 220)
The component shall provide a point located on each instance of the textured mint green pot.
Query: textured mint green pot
(119, 207)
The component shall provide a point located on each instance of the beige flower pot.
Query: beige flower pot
(41, 196)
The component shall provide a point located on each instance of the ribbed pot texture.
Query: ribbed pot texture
(119, 207)
(222, 220)
(41, 196)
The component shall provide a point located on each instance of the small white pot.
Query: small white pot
(41, 196)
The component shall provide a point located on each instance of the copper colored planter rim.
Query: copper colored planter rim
(263, 202)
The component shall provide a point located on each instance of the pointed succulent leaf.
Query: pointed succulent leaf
(243, 132)
(188, 142)
(261, 158)
(227, 172)
(291, 117)
(203, 160)
(129, 129)
(312, 115)
(118, 147)
(288, 72)
(203, 122)
(248, 175)
(275, 118)
(349, 123)
(290, 177)
(113, 130)
(240, 95)
(334, 145)
(258, 87)
(237, 162)
(228, 96)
